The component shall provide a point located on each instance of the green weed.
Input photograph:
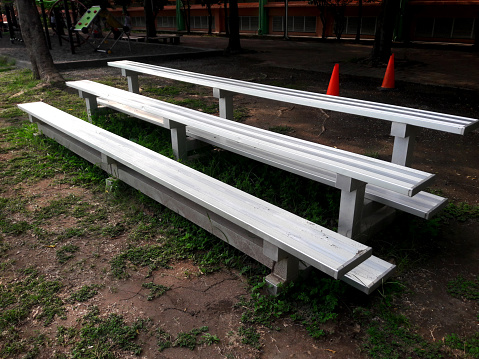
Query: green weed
(6, 62)
(460, 212)
(19, 298)
(467, 345)
(156, 290)
(196, 104)
(185, 339)
(312, 302)
(163, 91)
(65, 253)
(240, 114)
(463, 288)
(390, 334)
(152, 256)
(249, 336)
(102, 337)
(284, 130)
(85, 293)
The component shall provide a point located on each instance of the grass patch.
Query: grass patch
(464, 288)
(284, 130)
(67, 252)
(188, 340)
(250, 336)
(470, 345)
(84, 293)
(102, 337)
(240, 114)
(156, 290)
(17, 299)
(390, 334)
(311, 302)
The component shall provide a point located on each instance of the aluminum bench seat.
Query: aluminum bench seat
(405, 122)
(264, 231)
(387, 183)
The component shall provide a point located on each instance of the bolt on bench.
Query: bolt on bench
(272, 236)
(405, 122)
(361, 179)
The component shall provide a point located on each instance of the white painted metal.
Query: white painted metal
(416, 117)
(365, 276)
(326, 250)
(383, 174)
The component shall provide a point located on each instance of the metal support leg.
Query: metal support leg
(404, 141)
(132, 78)
(111, 165)
(285, 268)
(91, 103)
(32, 119)
(351, 205)
(225, 103)
(178, 140)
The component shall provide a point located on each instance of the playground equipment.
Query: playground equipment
(89, 24)
(62, 14)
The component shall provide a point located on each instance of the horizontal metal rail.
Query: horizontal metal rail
(421, 118)
(400, 179)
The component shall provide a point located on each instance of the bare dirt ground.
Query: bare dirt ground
(197, 300)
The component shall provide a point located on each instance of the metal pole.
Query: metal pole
(69, 25)
(45, 23)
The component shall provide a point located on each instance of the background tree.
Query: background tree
(234, 44)
(151, 10)
(124, 4)
(186, 12)
(384, 32)
(34, 39)
(322, 6)
(208, 4)
(360, 20)
(338, 8)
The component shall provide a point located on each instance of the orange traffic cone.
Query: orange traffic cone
(388, 82)
(333, 88)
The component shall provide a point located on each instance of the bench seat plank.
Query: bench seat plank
(326, 250)
(400, 179)
(421, 118)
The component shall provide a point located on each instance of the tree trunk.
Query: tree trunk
(360, 20)
(227, 25)
(384, 32)
(150, 18)
(234, 45)
(210, 18)
(40, 57)
(322, 17)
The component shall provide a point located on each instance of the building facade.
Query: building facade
(453, 21)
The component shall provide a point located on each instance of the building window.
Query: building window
(445, 28)
(368, 25)
(138, 21)
(249, 23)
(463, 29)
(295, 23)
(201, 22)
(166, 21)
